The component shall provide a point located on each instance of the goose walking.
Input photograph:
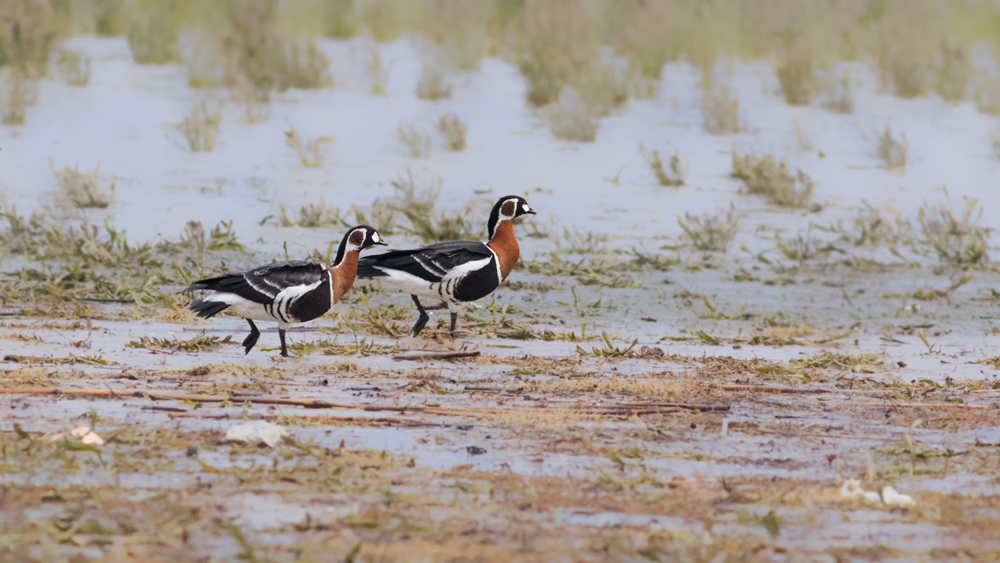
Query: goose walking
(286, 292)
(455, 272)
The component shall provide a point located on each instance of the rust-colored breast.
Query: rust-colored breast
(505, 245)
(343, 275)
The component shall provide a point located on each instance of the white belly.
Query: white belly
(246, 308)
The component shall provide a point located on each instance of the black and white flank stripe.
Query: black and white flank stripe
(285, 292)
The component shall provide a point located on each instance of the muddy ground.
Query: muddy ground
(662, 449)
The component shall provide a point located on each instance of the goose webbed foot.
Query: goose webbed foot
(421, 320)
(251, 340)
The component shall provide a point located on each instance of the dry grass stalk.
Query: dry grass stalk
(28, 32)
(986, 93)
(378, 73)
(891, 151)
(83, 189)
(910, 77)
(957, 240)
(312, 216)
(433, 83)
(16, 94)
(255, 104)
(762, 175)
(310, 151)
(720, 113)
(675, 177)
(460, 30)
(265, 58)
(572, 119)
(200, 128)
(953, 73)
(795, 74)
(838, 98)
(74, 68)
(555, 40)
(803, 248)
(603, 84)
(151, 28)
(453, 130)
(378, 213)
(205, 63)
(417, 143)
(304, 67)
(711, 233)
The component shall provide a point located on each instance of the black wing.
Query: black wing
(430, 263)
(262, 285)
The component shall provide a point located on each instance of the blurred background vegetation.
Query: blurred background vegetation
(606, 50)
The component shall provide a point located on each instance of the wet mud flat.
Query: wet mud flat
(692, 442)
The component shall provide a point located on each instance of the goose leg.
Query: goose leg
(250, 341)
(284, 349)
(422, 319)
(454, 318)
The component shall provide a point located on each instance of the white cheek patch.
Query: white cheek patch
(526, 208)
(376, 238)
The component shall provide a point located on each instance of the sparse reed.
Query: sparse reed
(910, 77)
(795, 75)
(378, 213)
(418, 192)
(460, 30)
(73, 67)
(205, 62)
(378, 73)
(803, 248)
(674, 178)
(720, 113)
(416, 142)
(416, 198)
(453, 130)
(953, 73)
(16, 94)
(986, 93)
(554, 41)
(433, 83)
(304, 66)
(711, 233)
(255, 104)
(83, 189)
(838, 98)
(891, 151)
(313, 216)
(872, 227)
(338, 19)
(200, 128)
(310, 151)
(151, 28)
(958, 240)
(28, 32)
(762, 175)
(571, 119)
(603, 84)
